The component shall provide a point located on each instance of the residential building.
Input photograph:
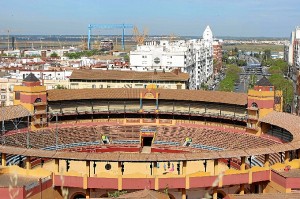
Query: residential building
(194, 57)
(217, 57)
(293, 58)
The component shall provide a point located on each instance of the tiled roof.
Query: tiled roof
(266, 196)
(12, 112)
(293, 173)
(264, 82)
(127, 75)
(284, 120)
(167, 94)
(31, 78)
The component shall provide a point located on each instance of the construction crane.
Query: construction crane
(108, 26)
(139, 38)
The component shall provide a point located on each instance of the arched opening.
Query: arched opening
(78, 196)
(171, 196)
(220, 194)
(254, 105)
(38, 100)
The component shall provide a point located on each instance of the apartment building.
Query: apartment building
(292, 56)
(194, 57)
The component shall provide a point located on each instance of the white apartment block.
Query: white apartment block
(293, 54)
(194, 57)
(293, 57)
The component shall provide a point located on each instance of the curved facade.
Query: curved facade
(189, 142)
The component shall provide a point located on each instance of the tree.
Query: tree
(232, 75)
(126, 58)
(54, 54)
(267, 54)
(253, 79)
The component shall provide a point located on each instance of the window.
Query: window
(93, 86)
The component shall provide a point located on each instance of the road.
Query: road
(253, 68)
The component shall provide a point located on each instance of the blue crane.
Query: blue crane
(108, 26)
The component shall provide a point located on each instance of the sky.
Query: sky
(236, 18)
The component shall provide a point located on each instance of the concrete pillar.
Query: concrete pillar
(215, 193)
(87, 193)
(243, 164)
(216, 167)
(87, 168)
(183, 193)
(28, 163)
(3, 159)
(287, 157)
(242, 189)
(56, 169)
(267, 160)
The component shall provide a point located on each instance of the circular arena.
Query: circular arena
(188, 144)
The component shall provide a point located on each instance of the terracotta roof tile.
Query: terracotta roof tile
(131, 93)
(127, 75)
(284, 120)
(266, 196)
(12, 112)
(293, 173)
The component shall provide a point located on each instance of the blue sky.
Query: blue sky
(270, 18)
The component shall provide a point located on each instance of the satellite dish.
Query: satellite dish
(108, 166)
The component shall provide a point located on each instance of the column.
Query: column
(267, 160)
(3, 159)
(298, 153)
(28, 163)
(242, 168)
(87, 168)
(215, 193)
(216, 167)
(56, 165)
(120, 186)
(183, 193)
(242, 189)
(154, 169)
(87, 193)
(184, 167)
(287, 157)
(243, 164)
